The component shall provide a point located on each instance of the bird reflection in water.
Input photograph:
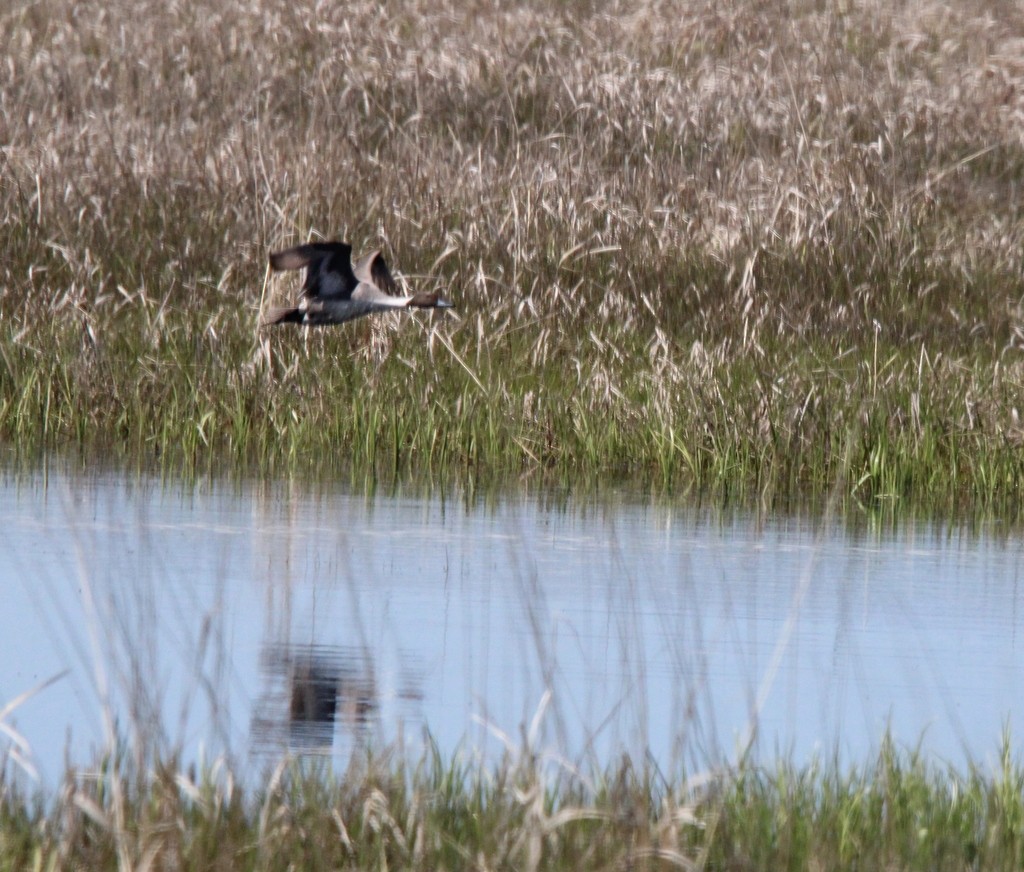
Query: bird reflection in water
(320, 685)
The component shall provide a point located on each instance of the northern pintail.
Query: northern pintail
(335, 292)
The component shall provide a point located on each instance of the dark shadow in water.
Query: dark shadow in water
(309, 690)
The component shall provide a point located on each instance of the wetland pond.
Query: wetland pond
(259, 619)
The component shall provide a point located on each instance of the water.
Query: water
(253, 620)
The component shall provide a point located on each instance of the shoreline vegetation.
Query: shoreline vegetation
(383, 812)
(755, 250)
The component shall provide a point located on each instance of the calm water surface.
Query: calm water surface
(264, 618)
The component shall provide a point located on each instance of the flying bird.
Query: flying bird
(334, 291)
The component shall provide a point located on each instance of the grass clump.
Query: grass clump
(748, 248)
(385, 812)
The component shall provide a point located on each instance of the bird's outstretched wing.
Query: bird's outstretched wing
(373, 270)
(329, 273)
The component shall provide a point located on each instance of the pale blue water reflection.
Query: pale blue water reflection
(261, 617)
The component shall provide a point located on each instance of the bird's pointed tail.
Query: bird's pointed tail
(283, 316)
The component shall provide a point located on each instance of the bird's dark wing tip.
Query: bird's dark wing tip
(305, 255)
(291, 258)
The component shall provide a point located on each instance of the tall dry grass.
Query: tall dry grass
(700, 243)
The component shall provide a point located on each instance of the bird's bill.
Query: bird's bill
(428, 301)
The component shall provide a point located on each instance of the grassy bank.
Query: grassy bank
(895, 813)
(749, 248)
